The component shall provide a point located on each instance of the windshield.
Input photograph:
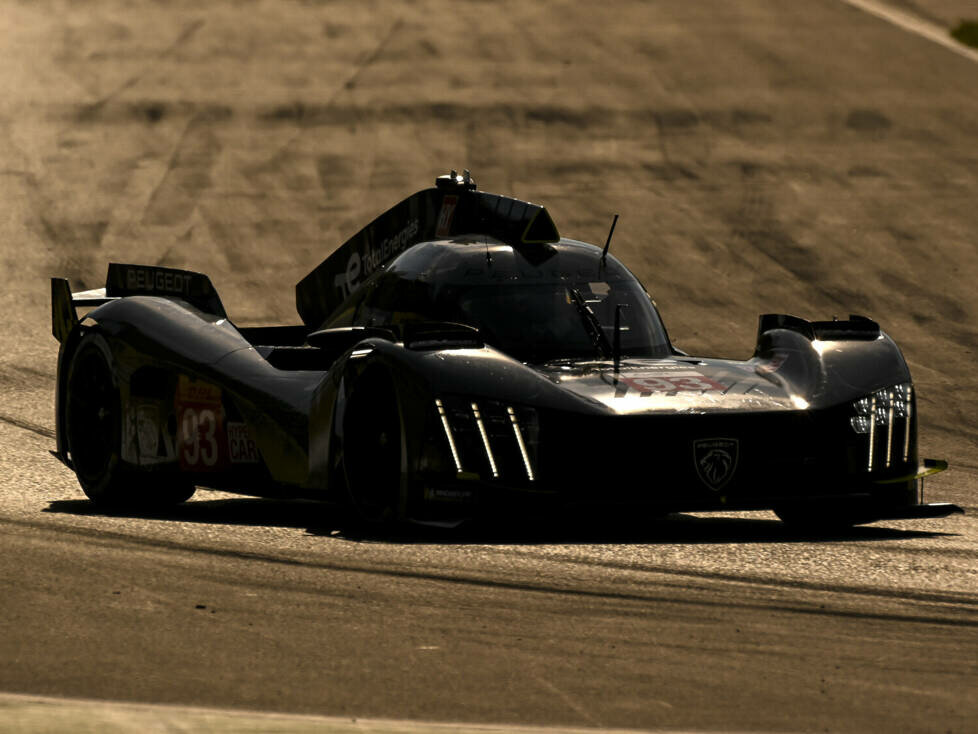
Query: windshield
(539, 322)
(560, 306)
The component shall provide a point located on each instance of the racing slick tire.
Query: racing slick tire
(93, 434)
(373, 453)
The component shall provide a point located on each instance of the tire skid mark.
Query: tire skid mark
(19, 377)
(567, 699)
(296, 112)
(756, 223)
(71, 244)
(673, 120)
(372, 57)
(27, 425)
(902, 595)
(108, 538)
(187, 176)
(185, 35)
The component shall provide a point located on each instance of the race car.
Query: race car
(458, 358)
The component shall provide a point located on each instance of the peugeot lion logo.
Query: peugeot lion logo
(716, 460)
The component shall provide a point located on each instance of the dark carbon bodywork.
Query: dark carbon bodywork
(415, 388)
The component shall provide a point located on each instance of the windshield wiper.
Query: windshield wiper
(598, 338)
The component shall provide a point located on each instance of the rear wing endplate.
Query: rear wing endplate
(63, 315)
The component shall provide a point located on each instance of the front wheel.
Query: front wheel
(373, 449)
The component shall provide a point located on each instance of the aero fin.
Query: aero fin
(453, 208)
(857, 328)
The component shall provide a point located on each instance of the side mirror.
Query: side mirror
(441, 335)
(336, 341)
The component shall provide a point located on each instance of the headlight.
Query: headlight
(860, 423)
(884, 416)
(881, 408)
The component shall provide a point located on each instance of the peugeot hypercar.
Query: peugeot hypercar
(458, 357)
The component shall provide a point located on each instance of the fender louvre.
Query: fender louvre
(857, 327)
(149, 280)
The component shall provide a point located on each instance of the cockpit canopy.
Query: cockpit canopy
(537, 302)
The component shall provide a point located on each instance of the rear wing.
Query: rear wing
(131, 280)
(453, 208)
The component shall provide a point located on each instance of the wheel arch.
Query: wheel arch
(369, 365)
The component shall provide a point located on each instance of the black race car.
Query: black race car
(458, 357)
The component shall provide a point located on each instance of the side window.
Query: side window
(351, 310)
(394, 300)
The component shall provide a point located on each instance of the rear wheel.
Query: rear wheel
(373, 449)
(93, 428)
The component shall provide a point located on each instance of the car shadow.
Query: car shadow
(319, 519)
(237, 511)
(676, 528)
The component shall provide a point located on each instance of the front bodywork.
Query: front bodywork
(670, 434)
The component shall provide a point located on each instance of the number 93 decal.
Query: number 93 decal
(201, 439)
(672, 383)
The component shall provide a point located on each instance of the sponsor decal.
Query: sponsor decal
(715, 460)
(347, 280)
(148, 280)
(772, 365)
(145, 443)
(664, 366)
(444, 227)
(241, 446)
(361, 264)
(201, 438)
(448, 495)
(148, 429)
(671, 383)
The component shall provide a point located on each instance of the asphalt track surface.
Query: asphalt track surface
(809, 158)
